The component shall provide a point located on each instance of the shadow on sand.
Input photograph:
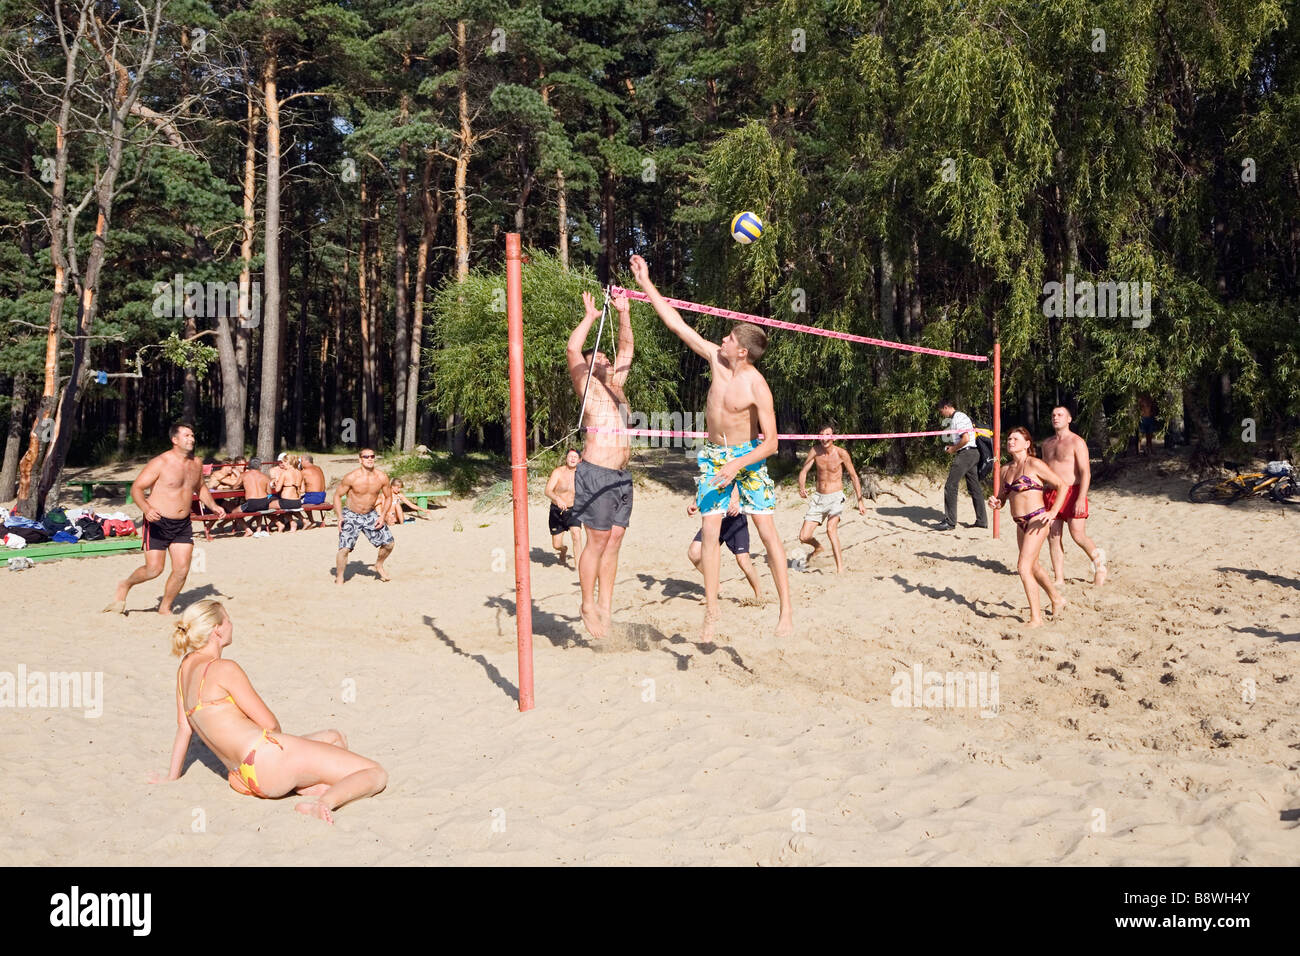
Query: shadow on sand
(493, 674)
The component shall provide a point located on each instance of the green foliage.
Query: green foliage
(439, 470)
(190, 354)
(468, 360)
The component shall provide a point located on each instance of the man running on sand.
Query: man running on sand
(370, 497)
(738, 408)
(1067, 455)
(828, 500)
(559, 488)
(602, 488)
(172, 479)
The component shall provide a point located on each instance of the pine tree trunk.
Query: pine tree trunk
(336, 397)
(232, 337)
(267, 418)
(325, 341)
(377, 334)
(363, 294)
(429, 210)
(563, 201)
(608, 263)
(303, 363)
(561, 194)
(44, 417)
(455, 426)
(190, 381)
(463, 155)
(401, 280)
(13, 439)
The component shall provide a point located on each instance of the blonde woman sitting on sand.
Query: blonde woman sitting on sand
(1023, 484)
(240, 729)
(396, 514)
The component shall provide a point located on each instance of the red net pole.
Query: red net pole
(519, 469)
(997, 427)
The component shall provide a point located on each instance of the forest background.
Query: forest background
(284, 221)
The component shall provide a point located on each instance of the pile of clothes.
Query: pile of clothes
(64, 527)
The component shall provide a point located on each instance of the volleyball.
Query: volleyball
(746, 227)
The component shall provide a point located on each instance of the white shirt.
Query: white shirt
(960, 422)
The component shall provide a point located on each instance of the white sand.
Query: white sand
(1122, 736)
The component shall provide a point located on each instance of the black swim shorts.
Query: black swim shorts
(159, 534)
(734, 533)
(561, 519)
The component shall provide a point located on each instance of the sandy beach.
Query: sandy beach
(1155, 724)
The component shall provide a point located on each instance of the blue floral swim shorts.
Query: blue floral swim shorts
(757, 491)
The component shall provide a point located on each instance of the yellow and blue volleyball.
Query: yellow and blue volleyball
(746, 227)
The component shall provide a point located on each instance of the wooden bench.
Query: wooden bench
(55, 551)
(120, 488)
(230, 500)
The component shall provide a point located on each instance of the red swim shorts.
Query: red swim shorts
(1072, 507)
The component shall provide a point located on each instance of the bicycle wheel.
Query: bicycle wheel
(1286, 491)
(1223, 490)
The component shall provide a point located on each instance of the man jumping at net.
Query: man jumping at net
(602, 487)
(739, 407)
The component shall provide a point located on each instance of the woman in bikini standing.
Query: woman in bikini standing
(286, 488)
(242, 732)
(1022, 484)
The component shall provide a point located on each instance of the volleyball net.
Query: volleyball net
(761, 320)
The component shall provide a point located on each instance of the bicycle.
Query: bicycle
(1287, 491)
(1278, 481)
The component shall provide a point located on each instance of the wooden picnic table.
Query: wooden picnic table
(232, 497)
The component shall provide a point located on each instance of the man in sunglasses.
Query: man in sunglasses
(370, 497)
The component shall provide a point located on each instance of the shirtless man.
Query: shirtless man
(602, 488)
(370, 497)
(1067, 455)
(257, 491)
(313, 488)
(828, 500)
(559, 488)
(172, 479)
(739, 407)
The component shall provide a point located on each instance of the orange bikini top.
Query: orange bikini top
(202, 703)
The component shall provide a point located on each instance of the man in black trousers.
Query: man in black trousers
(965, 464)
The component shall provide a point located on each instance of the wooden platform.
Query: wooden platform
(55, 551)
